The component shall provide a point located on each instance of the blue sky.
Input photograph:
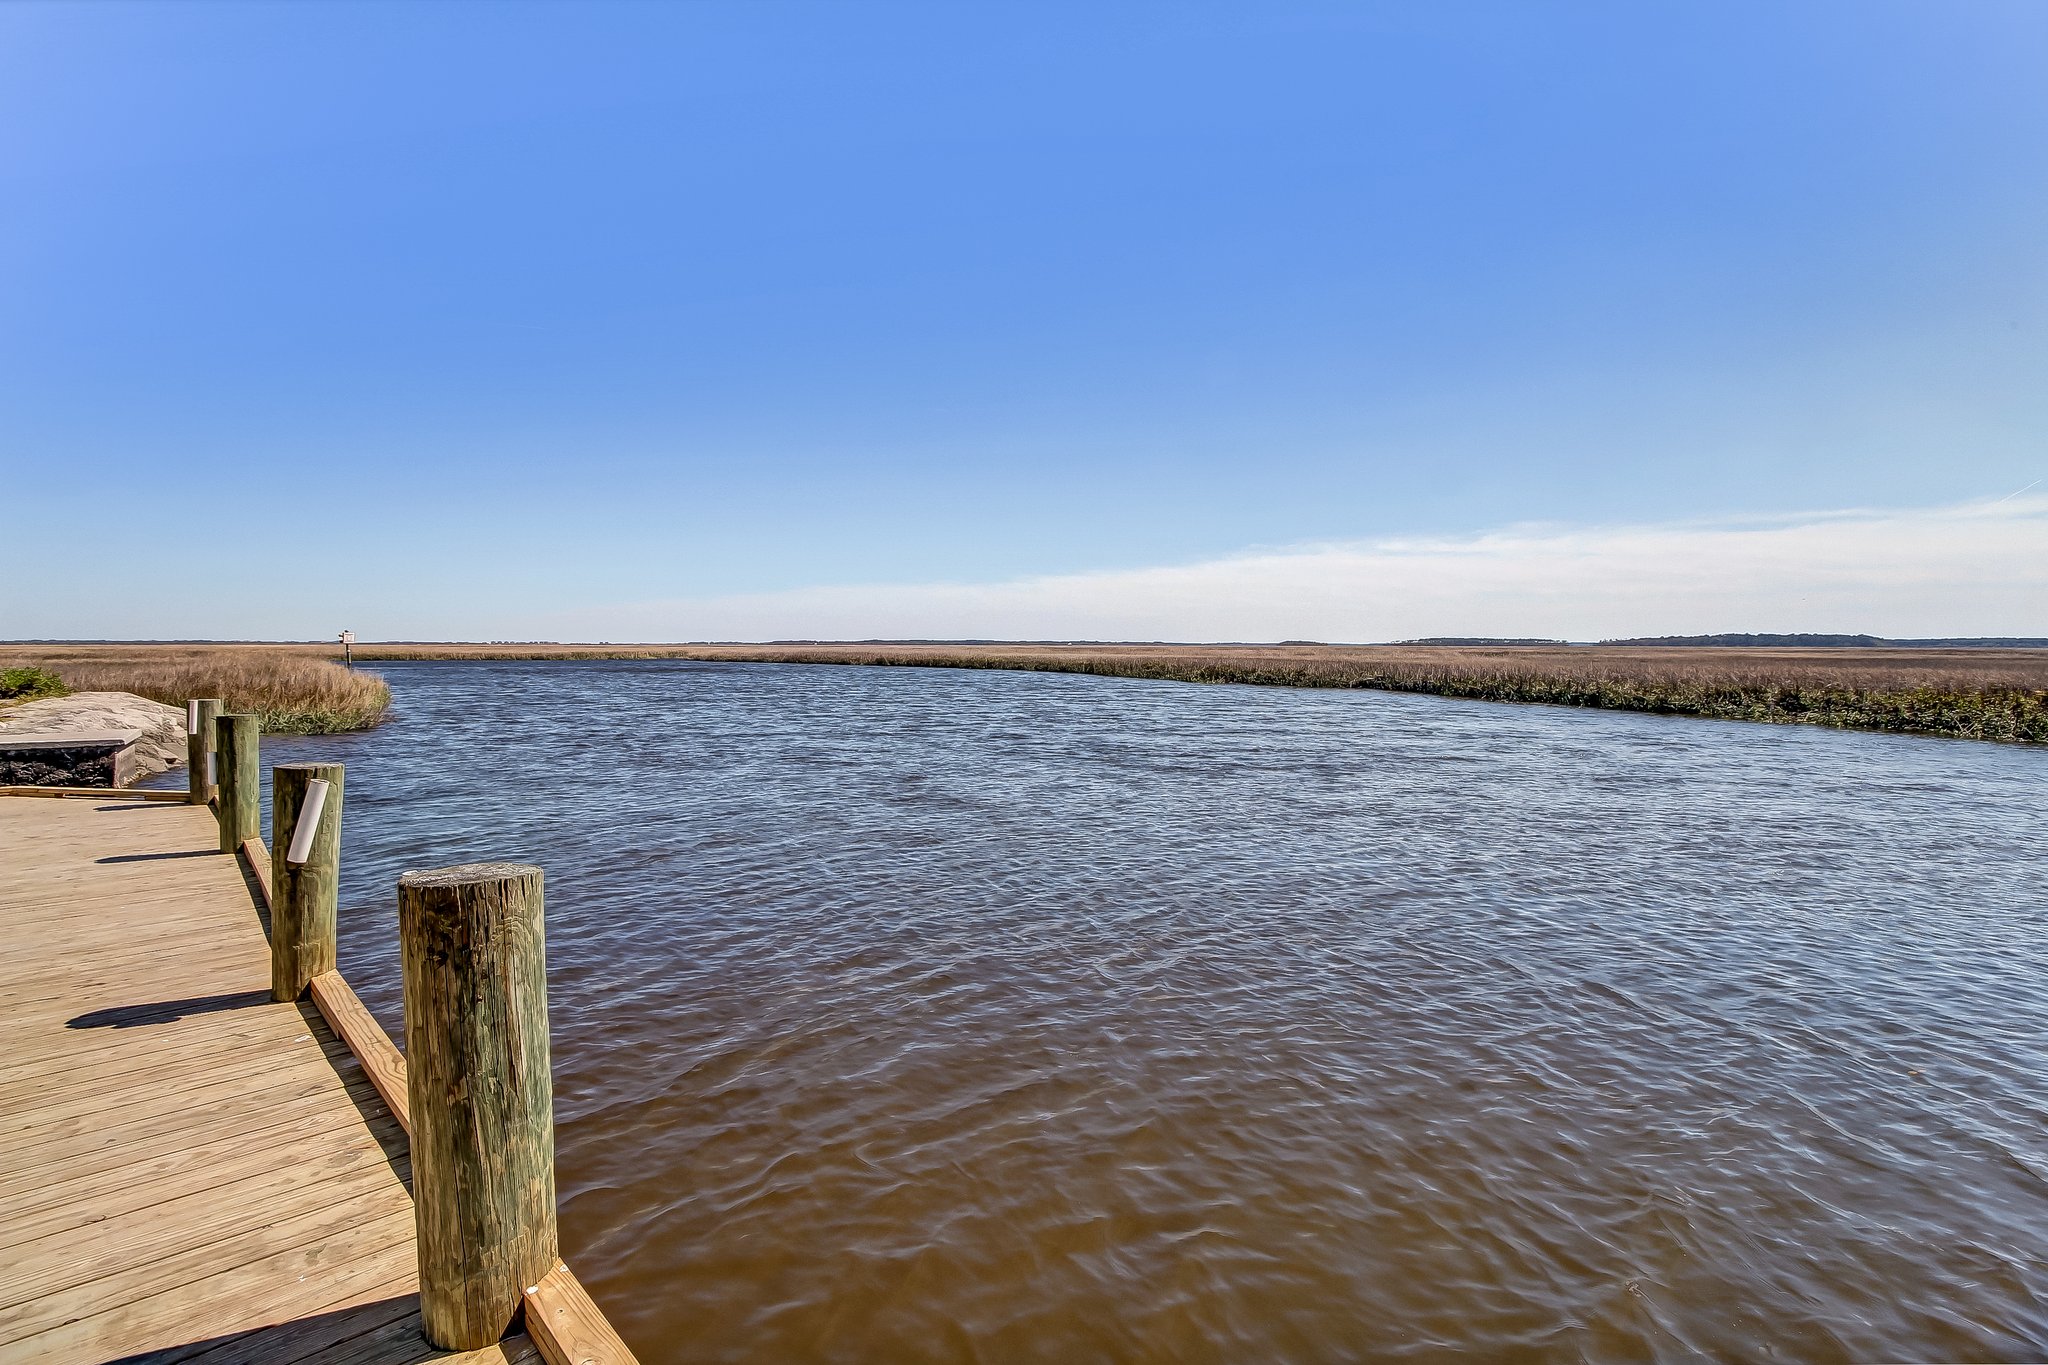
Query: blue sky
(570, 318)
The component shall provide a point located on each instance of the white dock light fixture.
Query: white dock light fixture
(309, 822)
(211, 780)
(192, 716)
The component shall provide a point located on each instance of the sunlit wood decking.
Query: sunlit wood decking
(188, 1172)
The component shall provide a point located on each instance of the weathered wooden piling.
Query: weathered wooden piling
(200, 714)
(480, 1095)
(239, 738)
(303, 895)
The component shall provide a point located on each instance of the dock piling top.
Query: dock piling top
(200, 715)
(240, 739)
(480, 1094)
(305, 895)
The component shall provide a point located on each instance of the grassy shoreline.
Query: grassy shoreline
(289, 690)
(2000, 695)
(1998, 714)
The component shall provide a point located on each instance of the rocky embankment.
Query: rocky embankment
(163, 727)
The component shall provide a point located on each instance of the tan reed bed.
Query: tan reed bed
(1953, 693)
(1992, 694)
(292, 691)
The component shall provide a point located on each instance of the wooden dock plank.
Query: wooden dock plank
(84, 1159)
(182, 1168)
(121, 1048)
(187, 1170)
(90, 1091)
(239, 1173)
(375, 1053)
(566, 1327)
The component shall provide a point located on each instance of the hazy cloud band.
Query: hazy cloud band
(1972, 569)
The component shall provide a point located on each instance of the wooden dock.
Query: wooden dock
(188, 1171)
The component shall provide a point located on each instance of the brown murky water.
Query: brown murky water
(906, 1015)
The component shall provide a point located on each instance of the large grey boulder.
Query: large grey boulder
(163, 727)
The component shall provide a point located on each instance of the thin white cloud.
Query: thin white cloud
(1974, 569)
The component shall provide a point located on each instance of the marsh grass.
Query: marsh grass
(1987, 699)
(293, 692)
(1992, 694)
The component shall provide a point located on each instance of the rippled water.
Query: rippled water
(915, 1015)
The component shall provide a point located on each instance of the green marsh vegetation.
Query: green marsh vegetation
(26, 684)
